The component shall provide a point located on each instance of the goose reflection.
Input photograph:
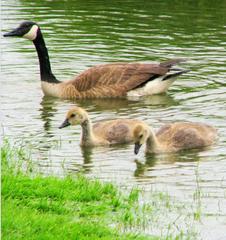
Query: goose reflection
(119, 104)
(156, 101)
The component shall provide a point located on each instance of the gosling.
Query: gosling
(174, 137)
(109, 132)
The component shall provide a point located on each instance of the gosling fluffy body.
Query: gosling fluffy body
(108, 132)
(174, 137)
(107, 80)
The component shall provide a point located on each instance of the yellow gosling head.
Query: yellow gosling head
(140, 135)
(75, 116)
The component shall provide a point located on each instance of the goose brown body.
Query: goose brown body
(108, 80)
(117, 131)
(101, 81)
(175, 137)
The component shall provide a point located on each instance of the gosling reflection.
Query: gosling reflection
(85, 166)
(153, 160)
(87, 154)
(142, 167)
(48, 109)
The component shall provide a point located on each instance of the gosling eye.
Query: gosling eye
(72, 115)
(141, 136)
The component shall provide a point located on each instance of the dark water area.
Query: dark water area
(80, 34)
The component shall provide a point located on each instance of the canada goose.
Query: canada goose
(103, 132)
(107, 80)
(174, 137)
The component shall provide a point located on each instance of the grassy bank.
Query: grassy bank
(75, 207)
(37, 207)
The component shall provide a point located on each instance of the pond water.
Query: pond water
(80, 34)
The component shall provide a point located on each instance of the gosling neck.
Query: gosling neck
(87, 137)
(44, 63)
(152, 144)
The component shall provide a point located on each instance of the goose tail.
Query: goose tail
(171, 74)
(172, 62)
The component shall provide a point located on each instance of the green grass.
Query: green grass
(37, 207)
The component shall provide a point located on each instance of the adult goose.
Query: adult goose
(108, 132)
(174, 137)
(107, 80)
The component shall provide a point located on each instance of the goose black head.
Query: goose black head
(26, 29)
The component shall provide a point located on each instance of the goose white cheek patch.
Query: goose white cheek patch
(32, 34)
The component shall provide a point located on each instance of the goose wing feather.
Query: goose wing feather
(119, 76)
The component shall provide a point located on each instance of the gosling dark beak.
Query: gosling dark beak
(64, 124)
(18, 32)
(137, 147)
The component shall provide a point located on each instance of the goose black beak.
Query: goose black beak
(64, 124)
(137, 147)
(18, 32)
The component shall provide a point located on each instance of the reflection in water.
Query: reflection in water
(87, 158)
(141, 167)
(107, 104)
(119, 104)
(158, 101)
(170, 158)
(47, 110)
(167, 159)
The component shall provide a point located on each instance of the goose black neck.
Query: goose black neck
(44, 63)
